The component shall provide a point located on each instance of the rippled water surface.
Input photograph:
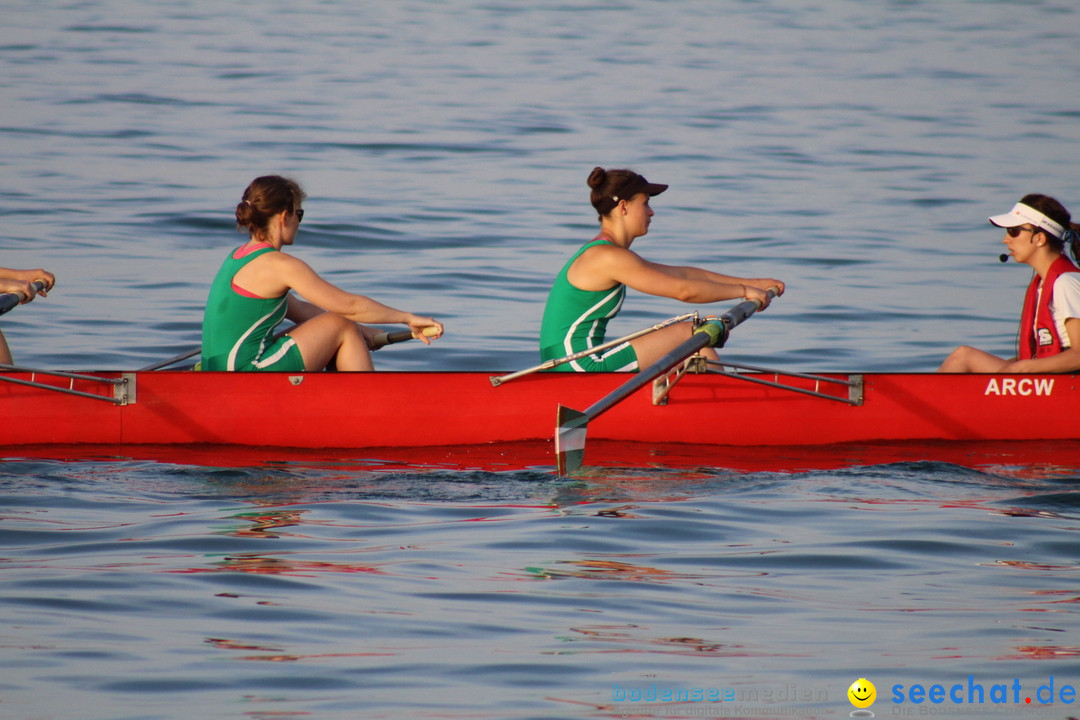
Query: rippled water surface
(852, 148)
(139, 589)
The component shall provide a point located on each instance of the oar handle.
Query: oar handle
(11, 299)
(389, 338)
(719, 329)
(770, 293)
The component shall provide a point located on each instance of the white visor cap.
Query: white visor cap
(1025, 214)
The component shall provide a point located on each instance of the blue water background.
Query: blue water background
(853, 149)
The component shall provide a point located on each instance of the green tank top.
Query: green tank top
(238, 328)
(576, 319)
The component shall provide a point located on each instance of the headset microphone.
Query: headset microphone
(1003, 257)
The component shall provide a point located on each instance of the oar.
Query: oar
(573, 424)
(381, 340)
(496, 381)
(173, 360)
(389, 338)
(11, 299)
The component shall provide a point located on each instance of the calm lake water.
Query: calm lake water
(852, 148)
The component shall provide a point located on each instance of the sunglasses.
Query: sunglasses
(1015, 231)
(300, 216)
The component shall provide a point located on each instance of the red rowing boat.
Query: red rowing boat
(405, 410)
(682, 400)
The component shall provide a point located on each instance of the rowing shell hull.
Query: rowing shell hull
(412, 410)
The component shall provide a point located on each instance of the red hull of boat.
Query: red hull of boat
(405, 410)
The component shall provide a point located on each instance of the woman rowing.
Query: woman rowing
(1037, 230)
(251, 295)
(590, 288)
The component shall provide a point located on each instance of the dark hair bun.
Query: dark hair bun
(245, 216)
(597, 177)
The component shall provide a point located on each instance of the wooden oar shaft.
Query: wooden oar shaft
(11, 299)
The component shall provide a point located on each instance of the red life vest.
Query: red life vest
(1038, 331)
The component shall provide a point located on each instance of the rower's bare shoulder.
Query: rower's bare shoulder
(601, 266)
(281, 263)
(608, 255)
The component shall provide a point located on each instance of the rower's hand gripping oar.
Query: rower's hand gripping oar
(11, 299)
(572, 425)
(389, 338)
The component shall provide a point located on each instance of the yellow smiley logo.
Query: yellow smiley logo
(862, 693)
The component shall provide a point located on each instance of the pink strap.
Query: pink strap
(242, 252)
(246, 249)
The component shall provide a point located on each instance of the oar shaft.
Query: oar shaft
(395, 336)
(496, 381)
(571, 426)
(681, 352)
(166, 363)
(381, 340)
(389, 338)
(743, 310)
(712, 333)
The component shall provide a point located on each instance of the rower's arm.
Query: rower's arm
(694, 273)
(298, 276)
(299, 311)
(692, 285)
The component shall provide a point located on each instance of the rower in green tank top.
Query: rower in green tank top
(253, 293)
(576, 320)
(589, 290)
(238, 327)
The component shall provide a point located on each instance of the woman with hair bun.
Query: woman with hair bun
(251, 295)
(590, 288)
(1037, 231)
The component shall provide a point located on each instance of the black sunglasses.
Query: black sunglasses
(1015, 231)
(300, 215)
